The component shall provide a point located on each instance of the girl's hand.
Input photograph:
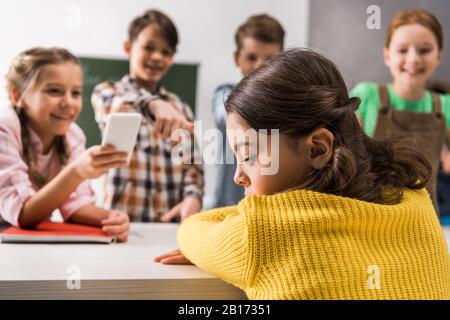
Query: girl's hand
(445, 160)
(173, 257)
(168, 119)
(117, 224)
(184, 209)
(97, 160)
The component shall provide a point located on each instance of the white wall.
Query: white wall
(206, 30)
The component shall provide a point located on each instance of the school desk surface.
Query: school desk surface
(106, 271)
(114, 271)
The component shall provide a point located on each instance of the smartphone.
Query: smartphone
(121, 131)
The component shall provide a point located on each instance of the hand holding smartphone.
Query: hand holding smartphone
(121, 131)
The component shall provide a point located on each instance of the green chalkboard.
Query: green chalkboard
(181, 79)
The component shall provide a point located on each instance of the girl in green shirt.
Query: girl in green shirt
(404, 109)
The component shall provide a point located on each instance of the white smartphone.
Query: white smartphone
(121, 131)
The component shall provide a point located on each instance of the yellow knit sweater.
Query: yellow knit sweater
(309, 245)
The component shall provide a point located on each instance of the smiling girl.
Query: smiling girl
(404, 109)
(43, 162)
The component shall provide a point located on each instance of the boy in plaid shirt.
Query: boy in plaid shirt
(153, 187)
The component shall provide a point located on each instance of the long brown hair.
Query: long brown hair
(22, 76)
(299, 91)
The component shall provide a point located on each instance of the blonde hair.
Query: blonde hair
(22, 76)
(419, 16)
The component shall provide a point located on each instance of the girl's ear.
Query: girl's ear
(127, 47)
(439, 57)
(16, 96)
(321, 147)
(170, 61)
(236, 58)
(386, 56)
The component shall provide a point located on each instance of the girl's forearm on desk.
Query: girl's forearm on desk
(50, 197)
(90, 215)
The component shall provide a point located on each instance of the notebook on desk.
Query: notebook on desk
(54, 232)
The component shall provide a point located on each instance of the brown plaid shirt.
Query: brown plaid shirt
(153, 183)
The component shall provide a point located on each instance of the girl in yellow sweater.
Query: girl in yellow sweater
(329, 213)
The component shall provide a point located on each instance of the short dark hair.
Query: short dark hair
(261, 27)
(166, 26)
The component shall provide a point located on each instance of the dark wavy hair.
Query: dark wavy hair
(299, 91)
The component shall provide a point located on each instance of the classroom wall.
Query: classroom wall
(338, 28)
(98, 28)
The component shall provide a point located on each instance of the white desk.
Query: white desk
(116, 271)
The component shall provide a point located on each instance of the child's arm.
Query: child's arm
(193, 180)
(106, 99)
(101, 101)
(216, 242)
(192, 184)
(40, 206)
(445, 152)
(445, 160)
(193, 174)
(91, 164)
(112, 222)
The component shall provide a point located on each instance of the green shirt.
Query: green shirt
(370, 102)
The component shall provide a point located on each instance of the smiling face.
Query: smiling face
(54, 101)
(412, 56)
(150, 56)
(254, 158)
(253, 53)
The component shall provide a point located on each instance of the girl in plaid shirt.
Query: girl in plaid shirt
(153, 187)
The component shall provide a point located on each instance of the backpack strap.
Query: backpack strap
(385, 105)
(436, 100)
